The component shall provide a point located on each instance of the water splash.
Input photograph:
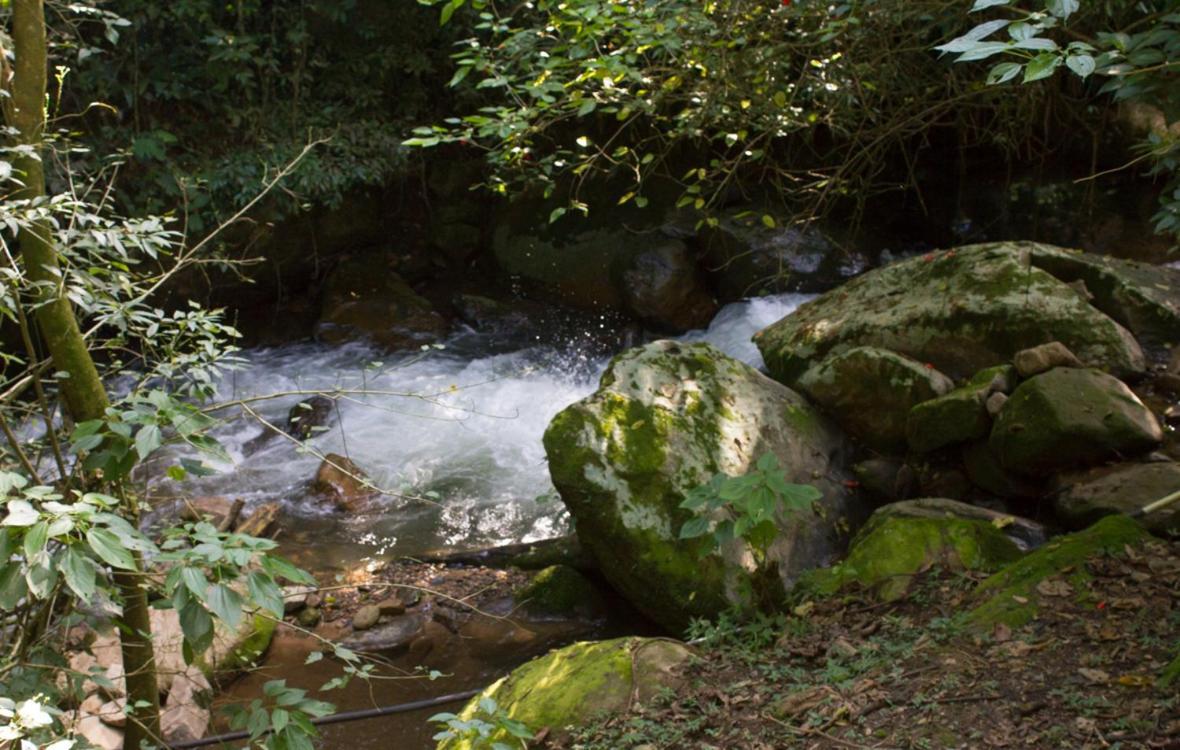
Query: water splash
(460, 427)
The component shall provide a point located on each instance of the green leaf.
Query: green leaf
(197, 626)
(12, 586)
(1062, 8)
(695, 527)
(1081, 65)
(265, 593)
(41, 574)
(79, 573)
(1003, 72)
(107, 546)
(280, 568)
(147, 440)
(20, 513)
(226, 604)
(36, 538)
(279, 718)
(985, 4)
(1041, 66)
(556, 214)
(194, 580)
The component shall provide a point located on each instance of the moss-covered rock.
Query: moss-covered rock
(1085, 497)
(1024, 533)
(570, 686)
(1011, 597)
(892, 548)
(665, 419)
(1070, 417)
(870, 392)
(962, 311)
(560, 591)
(959, 416)
(984, 471)
(1143, 297)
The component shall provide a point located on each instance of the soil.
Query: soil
(853, 673)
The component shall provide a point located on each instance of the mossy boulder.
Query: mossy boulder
(1024, 533)
(1011, 596)
(1143, 297)
(1070, 417)
(961, 310)
(1085, 497)
(560, 591)
(870, 392)
(365, 299)
(982, 468)
(573, 685)
(665, 419)
(893, 548)
(959, 416)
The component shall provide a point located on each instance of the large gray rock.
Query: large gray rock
(665, 419)
(962, 311)
(870, 393)
(1144, 298)
(1070, 417)
(1086, 497)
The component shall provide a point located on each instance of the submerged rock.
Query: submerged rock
(666, 418)
(961, 310)
(870, 392)
(1069, 417)
(395, 634)
(895, 546)
(1084, 498)
(570, 686)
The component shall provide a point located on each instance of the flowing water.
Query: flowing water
(454, 435)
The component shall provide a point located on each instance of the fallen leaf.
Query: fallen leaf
(1135, 680)
(1056, 587)
(1020, 599)
(1002, 633)
(1094, 676)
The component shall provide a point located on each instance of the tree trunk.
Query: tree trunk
(83, 391)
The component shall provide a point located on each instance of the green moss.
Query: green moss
(1171, 674)
(1010, 596)
(562, 688)
(891, 550)
(559, 590)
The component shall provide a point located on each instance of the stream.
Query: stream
(454, 434)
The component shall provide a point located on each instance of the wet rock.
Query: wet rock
(959, 416)
(494, 316)
(572, 685)
(561, 591)
(1026, 534)
(364, 299)
(344, 483)
(1070, 417)
(666, 417)
(1043, 358)
(747, 258)
(309, 617)
(391, 606)
(220, 511)
(962, 311)
(870, 392)
(1085, 497)
(366, 617)
(430, 642)
(395, 634)
(295, 598)
(577, 270)
(263, 521)
(307, 417)
(893, 547)
(663, 287)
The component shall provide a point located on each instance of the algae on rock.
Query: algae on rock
(961, 310)
(665, 419)
(891, 549)
(570, 686)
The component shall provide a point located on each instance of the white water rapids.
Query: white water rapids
(473, 446)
